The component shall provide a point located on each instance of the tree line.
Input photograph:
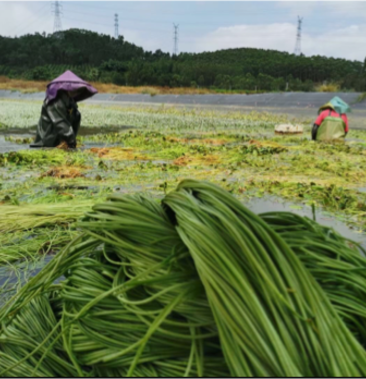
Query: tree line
(98, 57)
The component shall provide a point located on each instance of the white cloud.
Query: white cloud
(344, 43)
(325, 8)
(149, 41)
(341, 43)
(273, 36)
(20, 18)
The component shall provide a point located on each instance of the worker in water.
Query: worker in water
(60, 119)
(332, 122)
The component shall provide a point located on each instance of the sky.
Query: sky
(330, 28)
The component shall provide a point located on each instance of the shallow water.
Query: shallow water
(323, 218)
(354, 140)
(12, 276)
(7, 146)
(88, 131)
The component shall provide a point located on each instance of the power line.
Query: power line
(161, 31)
(116, 26)
(207, 11)
(79, 21)
(57, 27)
(175, 38)
(41, 12)
(198, 24)
(298, 36)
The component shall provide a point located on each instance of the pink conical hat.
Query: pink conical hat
(68, 81)
(68, 76)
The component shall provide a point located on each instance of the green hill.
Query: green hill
(103, 58)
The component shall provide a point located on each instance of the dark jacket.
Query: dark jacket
(59, 122)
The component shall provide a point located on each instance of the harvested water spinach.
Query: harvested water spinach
(196, 285)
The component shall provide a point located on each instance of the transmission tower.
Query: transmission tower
(116, 26)
(57, 10)
(175, 38)
(298, 36)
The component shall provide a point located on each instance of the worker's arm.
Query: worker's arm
(345, 119)
(314, 132)
(75, 118)
(57, 111)
(317, 123)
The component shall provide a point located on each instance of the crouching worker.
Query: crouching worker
(60, 119)
(332, 122)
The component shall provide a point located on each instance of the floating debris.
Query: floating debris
(288, 129)
(64, 172)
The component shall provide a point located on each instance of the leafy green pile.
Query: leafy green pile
(195, 286)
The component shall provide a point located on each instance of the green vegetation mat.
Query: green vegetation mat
(155, 148)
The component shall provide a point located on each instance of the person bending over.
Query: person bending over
(332, 121)
(60, 118)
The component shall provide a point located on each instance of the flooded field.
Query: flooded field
(160, 283)
(43, 192)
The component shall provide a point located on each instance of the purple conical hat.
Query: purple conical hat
(68, 81)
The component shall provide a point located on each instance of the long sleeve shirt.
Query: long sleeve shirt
(325, 114)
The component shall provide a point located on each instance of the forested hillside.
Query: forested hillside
(102, 58)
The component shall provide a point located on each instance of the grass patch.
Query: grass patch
(328, 87)
(361, 97)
